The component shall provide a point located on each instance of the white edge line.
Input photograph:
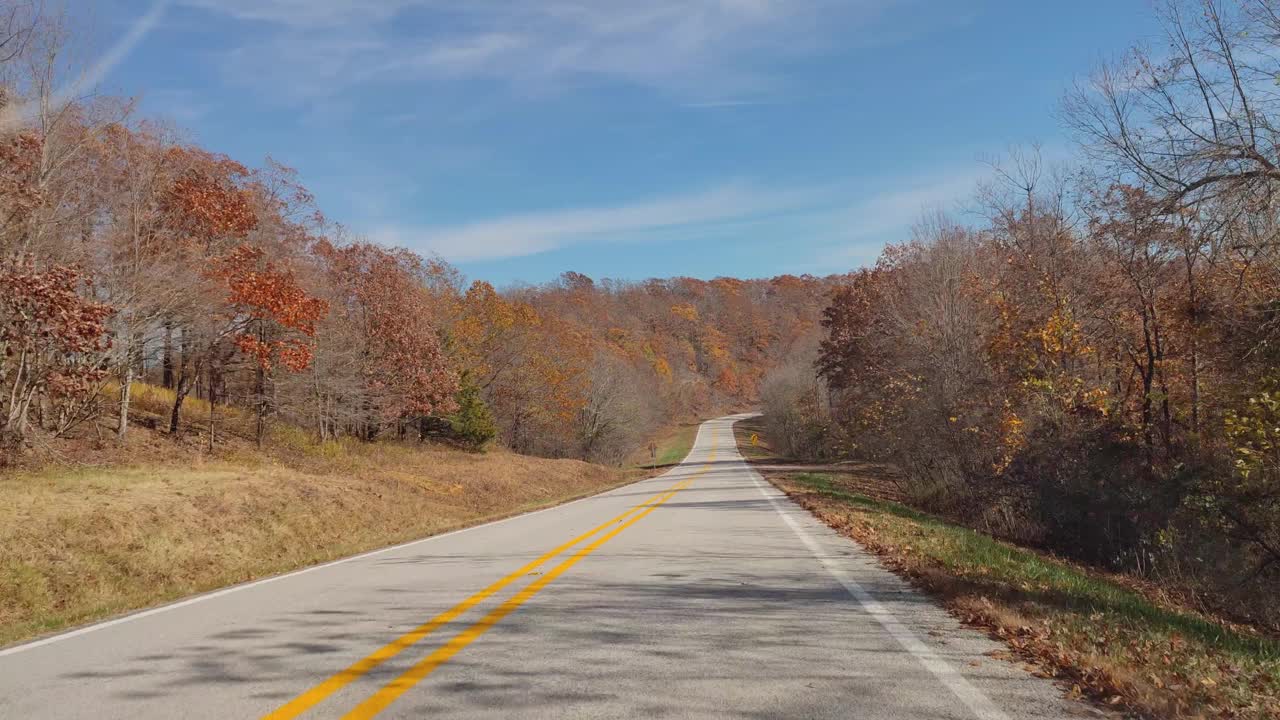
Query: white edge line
(85, 630)
(973, 698)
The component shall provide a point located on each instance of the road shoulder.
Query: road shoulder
(1098, 636)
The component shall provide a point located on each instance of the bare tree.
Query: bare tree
(17, 22)
(1196, 119)
(60, 134)
(615, 416)
(139, 264)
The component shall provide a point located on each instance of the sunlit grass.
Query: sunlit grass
(672, 446)
(81, 542)
(1089, 626)
(156, 400)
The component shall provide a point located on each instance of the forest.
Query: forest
(139, 270)
(1089, 361)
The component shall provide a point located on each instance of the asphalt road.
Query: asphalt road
(700, 593)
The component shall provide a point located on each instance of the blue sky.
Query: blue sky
(620, 138)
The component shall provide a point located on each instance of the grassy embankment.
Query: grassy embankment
(672, 445)
(97, 528)
(753, 446)
(1109, 637)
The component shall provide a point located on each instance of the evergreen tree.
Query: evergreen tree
(473, 423)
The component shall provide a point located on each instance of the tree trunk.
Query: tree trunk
(167, 360)
(182, 383)
(1195, 386)
(185, 382)
(126, 390)
(1193, 302)
(260, 390)
(212, 400)
(320, 424)
(12, 429)
(180, 394)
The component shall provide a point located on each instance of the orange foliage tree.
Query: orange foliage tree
(274, 319)
(207, 210)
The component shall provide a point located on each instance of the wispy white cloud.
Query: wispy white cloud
(898, 206)
(835, 226)
(531, 233)
(691, 48)
(715, 104)
(855, 234)
(470, 54)
(304, 14)
(18, 114)
(184, 106)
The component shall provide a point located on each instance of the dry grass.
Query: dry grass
(1107, 637)
(758, 451)
(101, 528)
(153, 403)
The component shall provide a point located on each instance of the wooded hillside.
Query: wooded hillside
(131, 257)
(1095, 368)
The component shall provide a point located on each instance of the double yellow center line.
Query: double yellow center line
(394, 689)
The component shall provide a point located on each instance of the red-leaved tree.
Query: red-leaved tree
(403, 372)
(207, 211)
(273, 317)
(52, 342)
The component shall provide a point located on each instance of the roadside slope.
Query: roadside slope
(155, 523)
(1104, 635)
